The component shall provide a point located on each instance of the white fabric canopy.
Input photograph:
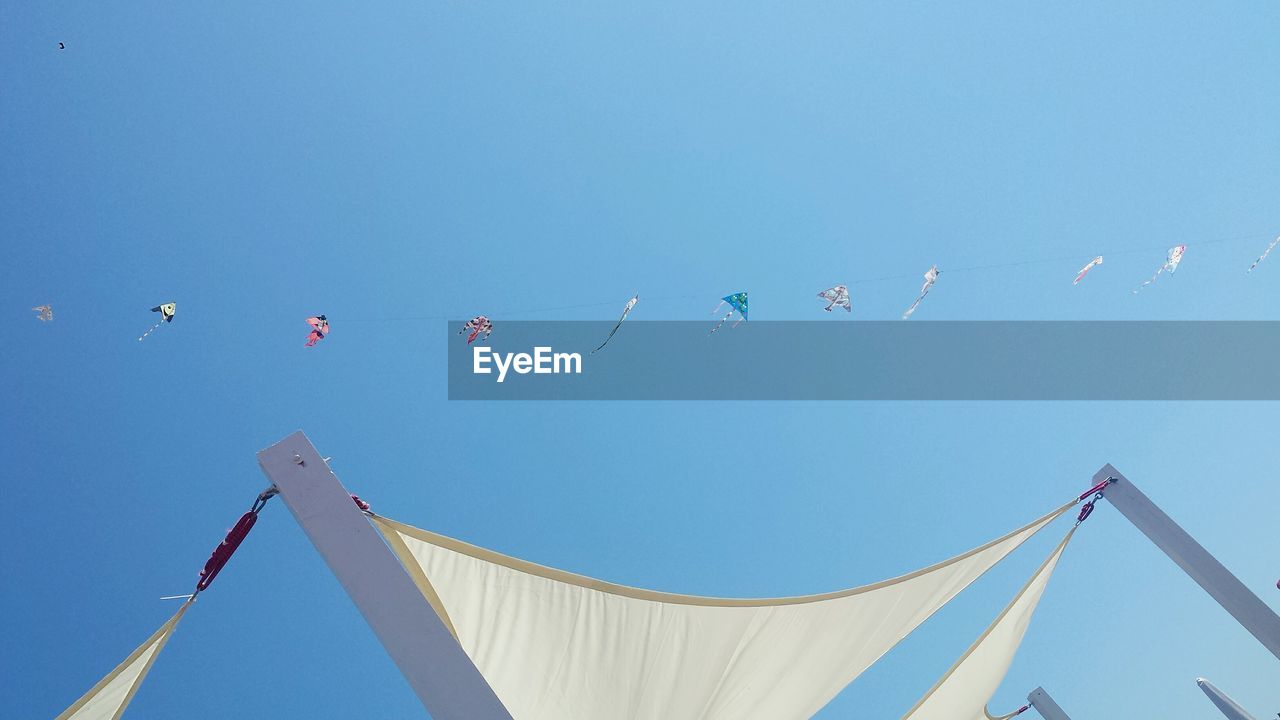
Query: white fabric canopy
(559, 646)
(963, 693)
(108, 699)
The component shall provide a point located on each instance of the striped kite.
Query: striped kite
(737, 302)
(478, 324)
(319, 328)
(930, 278)
(837, 296)
(1085, 270)
(1171, 264)
(166, 311)
(625, 311)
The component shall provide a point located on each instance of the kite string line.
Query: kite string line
(501, 312)
(973, 268)
(1064, 258)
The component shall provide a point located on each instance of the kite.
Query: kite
(166, 311)
(837, 296)
(481, 324)
(46, 312)
(1264, 254)
(1175, 257)
(1085, 270)
(61, 46)
(930, 278)
(319, 328)
(625, 311)
(737, 303)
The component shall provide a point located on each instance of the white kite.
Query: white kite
(1264, 254)
(1171, 264)
(167, 311)
(1085, 270)
(625, 311)
(837, 296)
(930, 278)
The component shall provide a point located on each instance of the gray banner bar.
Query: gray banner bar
(851, 360)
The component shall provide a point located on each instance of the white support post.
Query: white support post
(1045, 705)
(439, 671)
(1229, 707)
(1194, 560)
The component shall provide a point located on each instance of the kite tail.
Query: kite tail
(1153, 279)
(1264, 254)
(153, 329)
(606, 340)
(722, 321)
(914, 305)
(717, 308)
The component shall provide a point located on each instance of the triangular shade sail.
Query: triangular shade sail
(559, 646)
(108, 699)
(963, 693)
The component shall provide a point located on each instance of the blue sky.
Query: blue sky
(398, 161)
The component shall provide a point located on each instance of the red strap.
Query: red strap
(1095, 489)
(360, 503)
(223, 552)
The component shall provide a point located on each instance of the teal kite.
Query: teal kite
(737, 303)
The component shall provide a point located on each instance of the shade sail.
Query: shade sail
(108, 699)
(558, 646)
(963, 693)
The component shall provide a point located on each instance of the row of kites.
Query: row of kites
(837, 296)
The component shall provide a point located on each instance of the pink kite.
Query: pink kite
(319, 328)
(1085, 270)
(478, 324)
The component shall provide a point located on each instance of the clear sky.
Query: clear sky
(394, 161)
